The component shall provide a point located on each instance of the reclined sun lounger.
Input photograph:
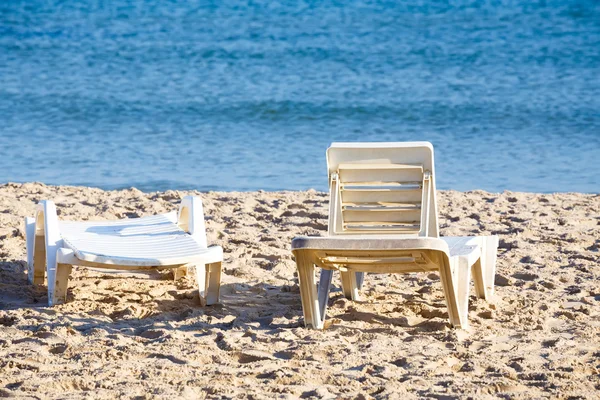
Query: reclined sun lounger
(173, 240)
(383, 219)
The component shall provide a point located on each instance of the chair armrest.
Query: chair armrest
(191, 219)
(46, 224)
(46, 230)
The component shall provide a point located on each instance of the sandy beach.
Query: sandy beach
(145, 336)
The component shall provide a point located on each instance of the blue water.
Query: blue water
(248, 95)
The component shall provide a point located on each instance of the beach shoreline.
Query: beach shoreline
(125, 335)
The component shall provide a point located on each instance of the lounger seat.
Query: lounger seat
(173, 240)
(149, 241)
(467, 247)
(365, 243)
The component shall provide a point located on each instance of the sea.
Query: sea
(248, 95)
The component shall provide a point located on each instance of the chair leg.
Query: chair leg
(484, 270)
(208, 277)
(456, 290)
(308, 291)
(478, 279)
(179, 273)
(323, 291)
(202, 280)
(490, 252)
(36, 254)
(213, 283)
(462, 285)
(350, 285)
(360, 280)
(58, 283)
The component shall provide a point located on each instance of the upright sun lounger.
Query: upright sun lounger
(173, 240)
(383, 219)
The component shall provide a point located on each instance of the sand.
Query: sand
(122, 335)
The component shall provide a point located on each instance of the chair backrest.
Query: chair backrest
(382, 188)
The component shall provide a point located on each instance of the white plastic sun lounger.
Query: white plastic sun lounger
(383, 219)
(173, 240)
